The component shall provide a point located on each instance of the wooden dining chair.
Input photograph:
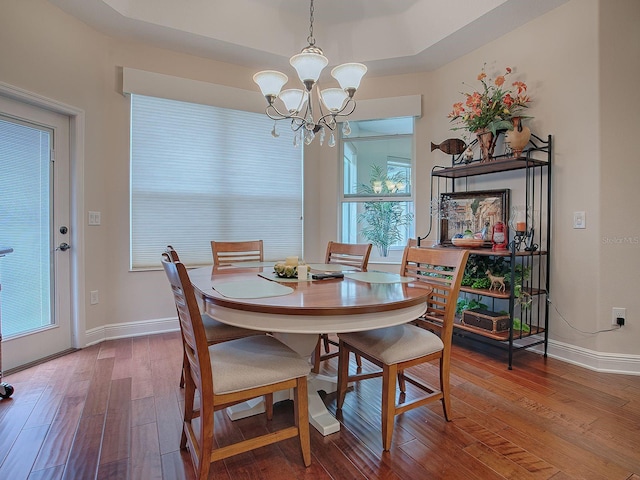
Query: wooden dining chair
(228, 373)
(228, 253)
(215, 331)
(354, 255)
(395, 349)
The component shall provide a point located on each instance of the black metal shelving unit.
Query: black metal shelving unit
(535, 163)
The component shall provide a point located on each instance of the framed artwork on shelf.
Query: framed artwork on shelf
(474, 212)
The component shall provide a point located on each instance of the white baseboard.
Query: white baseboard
(133, 329)
(626, 364)
(598, 361)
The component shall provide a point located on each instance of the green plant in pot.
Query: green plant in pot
(382, 221)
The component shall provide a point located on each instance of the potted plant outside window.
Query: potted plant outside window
(382, 221)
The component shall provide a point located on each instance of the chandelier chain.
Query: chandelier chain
(310, 39)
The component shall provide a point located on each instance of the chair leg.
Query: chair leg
(358, 361)
(206, 442)
(325, 341)
(316, 357)
(401, 383)
(389, 374)
(189, 405)
(268, 405)
(301, 411)
(343, 374)
(444, 388)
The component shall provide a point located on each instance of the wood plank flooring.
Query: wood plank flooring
(113, 411)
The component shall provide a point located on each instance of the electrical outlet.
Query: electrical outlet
(579, 220)
(617, 313)
(93, 298)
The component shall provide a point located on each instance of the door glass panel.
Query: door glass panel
(25, 206)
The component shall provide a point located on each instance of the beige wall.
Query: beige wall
(619, 236)
(580, 70)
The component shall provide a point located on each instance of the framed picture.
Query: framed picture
(477, 212)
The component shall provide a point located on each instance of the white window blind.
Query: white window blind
(25, 210)
(202, 173)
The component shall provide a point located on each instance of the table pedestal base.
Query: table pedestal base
(252, 407)
(304, 344)
(319, 416)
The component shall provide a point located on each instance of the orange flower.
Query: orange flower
(508, 69)
(458, 108)
(482, 76)
(522, 87)
(507, 100)
(474, 100)
(499, 80)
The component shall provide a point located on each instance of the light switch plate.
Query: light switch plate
(579, 220)
(94, 218)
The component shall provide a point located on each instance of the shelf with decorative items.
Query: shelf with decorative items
(511, 240)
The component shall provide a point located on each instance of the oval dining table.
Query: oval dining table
(356, 302)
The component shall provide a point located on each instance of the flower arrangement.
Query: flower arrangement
(492, 107)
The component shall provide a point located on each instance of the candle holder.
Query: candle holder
(521, 221)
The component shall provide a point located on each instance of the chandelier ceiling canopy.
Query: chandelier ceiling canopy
(299, 103)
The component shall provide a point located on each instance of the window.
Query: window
(202, 173)
(377, 195)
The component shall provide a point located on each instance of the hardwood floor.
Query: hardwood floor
(113, 411)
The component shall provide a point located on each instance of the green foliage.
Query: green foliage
(475, 275)
(522, 274)
(468, 304)
(382, 220)
(474, 206)
(518, 325)
(481, 283)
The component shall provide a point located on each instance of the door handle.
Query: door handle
(63, 246)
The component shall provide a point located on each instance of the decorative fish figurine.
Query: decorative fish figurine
(451, 146)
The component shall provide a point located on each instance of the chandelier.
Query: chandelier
(299, 103)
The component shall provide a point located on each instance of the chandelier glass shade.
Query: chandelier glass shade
(311, 116)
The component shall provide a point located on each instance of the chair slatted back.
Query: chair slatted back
(442, 270)
(191, 326)
(170, 254)
(227, 253)
(351, 254)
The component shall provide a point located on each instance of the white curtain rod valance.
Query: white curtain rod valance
(159, 85)
(153, 84)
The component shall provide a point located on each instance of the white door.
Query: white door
(34, 221)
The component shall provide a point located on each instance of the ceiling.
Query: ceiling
(389, 36)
